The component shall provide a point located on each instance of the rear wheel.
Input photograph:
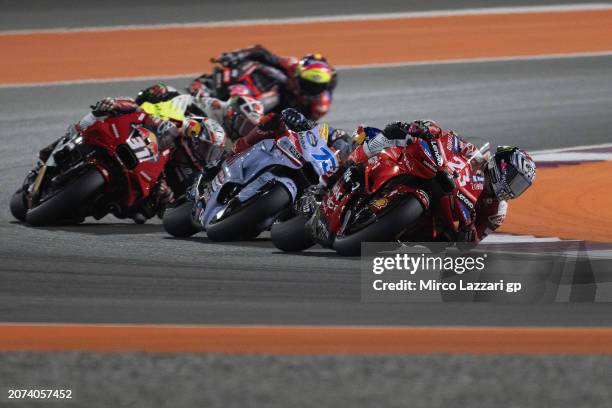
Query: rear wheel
(18, 205)
(178, 221)
(292, 235)
(243, 223)
(385, 228)
(65, 203)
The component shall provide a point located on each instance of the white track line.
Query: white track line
(478, 60)
(339, 67)
(99, 80)
(502, 238)
(573, 149)
(572, 157)
(328, 19)
(573, 154)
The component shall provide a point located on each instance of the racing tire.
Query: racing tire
(386, 228)
(243, 223)
(67, 200)
(292, 235)
(18, 206)
(178, 221)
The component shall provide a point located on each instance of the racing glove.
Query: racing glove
(424, 129)
(113, 106)
(156, 93)
(397, 130)
(230, 58)
(296, 121)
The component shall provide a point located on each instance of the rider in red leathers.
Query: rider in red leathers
(193, 134)
(503, 176)
(305, 85)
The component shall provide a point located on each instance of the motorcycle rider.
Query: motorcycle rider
(194, 134)
(306, 84)
(508, 173)
(273, 125)
(238, 115)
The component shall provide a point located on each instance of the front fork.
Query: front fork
(32, 183)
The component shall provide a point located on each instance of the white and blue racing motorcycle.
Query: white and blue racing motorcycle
(254, 187)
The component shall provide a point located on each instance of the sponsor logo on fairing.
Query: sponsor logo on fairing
(436, 151)
(465, 200)
(426, 148)
(312, 138)
(465, 212)
(288, 147)
(380, 203)
(477, 186)
(429, 165)
(324, 131)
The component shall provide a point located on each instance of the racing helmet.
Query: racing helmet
(511, 172)
(243, 115)
(314, 75)
(203, 138)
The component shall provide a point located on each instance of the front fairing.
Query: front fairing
(140, 159)
(244, 166)
(314, 149)
(249, 171)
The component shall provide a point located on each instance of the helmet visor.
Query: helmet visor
(312, 88)
(517, 184)
(243, 125)
(508, 183)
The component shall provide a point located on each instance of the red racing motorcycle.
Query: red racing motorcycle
(243, 78)
(112, 167)
(425, 191)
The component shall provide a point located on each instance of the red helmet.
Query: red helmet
(314, 75)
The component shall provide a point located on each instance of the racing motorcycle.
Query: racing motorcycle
(188, 161)
(254, 187)
(422, 192)
(242, 78)
(112, 167)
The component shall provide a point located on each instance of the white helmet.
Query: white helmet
(243, 115)
(512, 172)
(202, 136)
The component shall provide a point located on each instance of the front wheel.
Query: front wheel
(178, 221)
(385, 228)
(66, 202)
(292, 235)
(18, 205)
(244, 222)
